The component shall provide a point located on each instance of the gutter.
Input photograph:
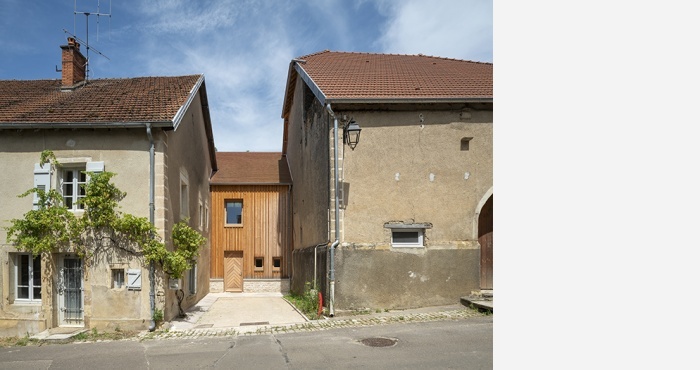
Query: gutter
(54, 125)
(151, 215)
(331, 298)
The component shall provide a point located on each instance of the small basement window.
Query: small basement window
(259, 263)
(405, 234)
(407, 237)
(276, 263)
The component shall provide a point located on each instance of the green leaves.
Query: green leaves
(49, 228)
(101, 200)
(54, 228)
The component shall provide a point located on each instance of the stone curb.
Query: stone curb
(313, 325)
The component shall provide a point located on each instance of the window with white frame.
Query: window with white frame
(206, 216)
(184, 197)
(201, 215)
(27, 278)
(192, 280)
(406, 237)
(73, 181)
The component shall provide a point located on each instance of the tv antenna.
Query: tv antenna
(87, 30)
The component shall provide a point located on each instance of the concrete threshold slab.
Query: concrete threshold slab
(480, 303)
(60, 333)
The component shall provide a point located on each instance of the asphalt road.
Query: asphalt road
(453, 344)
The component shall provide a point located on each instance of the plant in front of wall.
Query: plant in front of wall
(52, 227)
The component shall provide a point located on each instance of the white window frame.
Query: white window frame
(418, 243)
(192, 280)
(206, 216)
(201, 215)
(184, 196)
(79, 166)
(16, 270)
(78, 171)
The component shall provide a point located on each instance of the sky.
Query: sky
(242, 47)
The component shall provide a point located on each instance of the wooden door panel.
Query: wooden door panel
(486, 242)
(233, 271)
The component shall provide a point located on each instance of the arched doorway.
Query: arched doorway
(486, 242)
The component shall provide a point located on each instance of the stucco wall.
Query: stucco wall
(390, 279)
(124, 152)
(307, 152)
(409, 167)
(413, 171)
(185, 154)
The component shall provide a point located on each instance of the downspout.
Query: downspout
(151, 214)
(331, 298)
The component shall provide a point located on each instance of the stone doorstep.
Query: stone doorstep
(486, 304)
(59, 333)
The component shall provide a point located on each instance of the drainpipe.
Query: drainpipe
(331, 298)
(151, 214)
(316, 259)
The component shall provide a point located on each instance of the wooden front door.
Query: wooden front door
(486, 242)
(233, 271)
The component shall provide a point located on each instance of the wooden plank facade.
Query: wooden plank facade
(264, 233)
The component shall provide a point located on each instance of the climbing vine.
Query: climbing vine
(51, 227)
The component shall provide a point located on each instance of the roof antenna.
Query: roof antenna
(87, 29)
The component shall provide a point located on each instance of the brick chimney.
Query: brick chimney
(73, 64)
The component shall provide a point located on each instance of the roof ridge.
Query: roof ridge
(391, 54)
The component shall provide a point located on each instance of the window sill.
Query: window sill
(26, 303)
(233, 225)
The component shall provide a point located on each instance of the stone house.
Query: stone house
(251, 223)
(155, 134)
(402, 218)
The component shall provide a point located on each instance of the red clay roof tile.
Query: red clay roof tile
(141, 99)
(251, 168)
(345, 75)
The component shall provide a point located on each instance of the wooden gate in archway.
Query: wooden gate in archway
(486, 242)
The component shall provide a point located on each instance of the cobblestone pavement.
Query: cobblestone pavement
(316, 325)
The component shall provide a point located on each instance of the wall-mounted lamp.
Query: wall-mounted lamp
(351, 134)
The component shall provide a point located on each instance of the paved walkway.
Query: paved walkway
(235, 310)
(231, 314)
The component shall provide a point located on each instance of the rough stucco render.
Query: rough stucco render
(125, 152)
(382, 279)
(415, 164)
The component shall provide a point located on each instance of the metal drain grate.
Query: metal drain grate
(255, 323)
(379, 342)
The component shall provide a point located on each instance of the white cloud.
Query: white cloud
(450, 28)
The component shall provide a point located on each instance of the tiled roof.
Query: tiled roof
(343, 75)
(141, 99)
(251, 168)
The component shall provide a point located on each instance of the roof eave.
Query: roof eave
(248, 183)
(409, 100)
(74, 125)
(318, 93)
(184, 107)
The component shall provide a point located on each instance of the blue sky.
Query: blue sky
(243, 48)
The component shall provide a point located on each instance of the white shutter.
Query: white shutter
(94, 167)
(42, 180)
(133, 279)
